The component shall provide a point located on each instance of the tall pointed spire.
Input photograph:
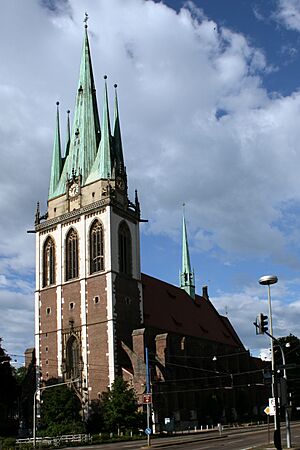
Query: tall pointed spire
(85, 136)
(187, 276)
(105, 163)
(117, 137)
(68, 135)
(56, 166)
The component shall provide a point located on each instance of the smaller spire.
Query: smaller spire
(187, 276)
(117, 137)
(136, 202)
(37, 214)
(68, 135)
(56, 166)
(105, 165)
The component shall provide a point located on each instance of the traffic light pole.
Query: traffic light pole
(275, 393)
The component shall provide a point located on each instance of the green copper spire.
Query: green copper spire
(105, 163)
(109, 162)
(117, 137)
(68, 135)
(56, 166)
(187, 275)
(85, 134)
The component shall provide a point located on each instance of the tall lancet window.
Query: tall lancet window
(96, 247)
(71, 255)
(72, 358)
(49, 262)
(125, 252)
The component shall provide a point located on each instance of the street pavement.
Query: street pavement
(235, 439)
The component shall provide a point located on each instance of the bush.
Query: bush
(7, 443)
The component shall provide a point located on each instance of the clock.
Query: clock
(73, 190)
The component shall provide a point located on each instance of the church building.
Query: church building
(96, 312)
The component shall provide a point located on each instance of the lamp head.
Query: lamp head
(267, 280)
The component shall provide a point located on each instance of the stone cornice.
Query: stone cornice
(77, 213)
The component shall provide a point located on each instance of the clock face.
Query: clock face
(73, 190)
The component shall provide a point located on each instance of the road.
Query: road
(230, 440)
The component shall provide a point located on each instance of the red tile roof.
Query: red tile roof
(171, 309)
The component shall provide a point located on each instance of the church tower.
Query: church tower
(88, 281)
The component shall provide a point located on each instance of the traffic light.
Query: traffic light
(262, 323)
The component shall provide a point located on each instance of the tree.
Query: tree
(8, 396)
(119, 407)
(291, 348)
(26, 381)
(60, 411)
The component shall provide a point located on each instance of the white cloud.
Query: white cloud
(198, 126)
(243, 308)
(288, 13)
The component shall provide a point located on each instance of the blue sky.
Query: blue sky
(210, 109)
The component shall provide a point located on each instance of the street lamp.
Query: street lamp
(267, 280)
(286, 406)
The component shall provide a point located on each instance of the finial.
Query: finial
(86, 18)
(37, 214)
(115, 85)
(57, 103)
(105, 77)
(68, 111)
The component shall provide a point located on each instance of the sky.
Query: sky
(209, 106)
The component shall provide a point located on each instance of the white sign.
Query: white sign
(272, 406)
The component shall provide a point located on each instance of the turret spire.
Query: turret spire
(68, 135)
(117, 137)
(187, 276)
(105, 163)
(56, 166)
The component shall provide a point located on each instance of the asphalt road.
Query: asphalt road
(230, 440)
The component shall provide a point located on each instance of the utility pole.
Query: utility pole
(148, 392)
(261, 326)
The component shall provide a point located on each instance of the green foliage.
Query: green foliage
(26, 378)
(7, 444)
(119, 407)
(8, 396)
(95, 420)
(20, 375)
(60, 412)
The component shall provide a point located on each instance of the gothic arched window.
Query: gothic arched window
(48, 262)
(125, 252)
(72, 358)
(96, 247)
(71, 255)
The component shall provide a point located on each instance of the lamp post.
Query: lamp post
(286, 406)
(267, 280)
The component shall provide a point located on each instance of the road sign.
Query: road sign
(272, 406)
(287, 366)
(148, 431)
(147, 398)
(267, 410)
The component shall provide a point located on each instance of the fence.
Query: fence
(55, 441)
